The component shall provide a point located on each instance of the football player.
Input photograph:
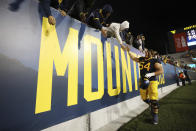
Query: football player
(149, 69)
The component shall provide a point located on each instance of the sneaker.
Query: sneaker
(155, 119)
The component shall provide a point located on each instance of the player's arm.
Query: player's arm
(116, 29)
(159, 70)
(133, 57)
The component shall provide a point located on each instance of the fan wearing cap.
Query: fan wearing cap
(98, 17)
(114, 31)
(149, 69)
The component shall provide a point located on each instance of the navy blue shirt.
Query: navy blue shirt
(45, 4)
(96, 19)
(147, 66)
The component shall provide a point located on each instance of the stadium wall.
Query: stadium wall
(63, 77)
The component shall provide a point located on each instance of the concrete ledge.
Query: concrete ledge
(116, 124)
(77, 124)
(115, 112)
(134, 111)
(110, 118)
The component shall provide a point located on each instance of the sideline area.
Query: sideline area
(177, 112)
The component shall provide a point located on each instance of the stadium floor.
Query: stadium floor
(177, 113)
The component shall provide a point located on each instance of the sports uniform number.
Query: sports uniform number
(147, 66)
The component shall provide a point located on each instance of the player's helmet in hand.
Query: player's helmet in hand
(144, 83)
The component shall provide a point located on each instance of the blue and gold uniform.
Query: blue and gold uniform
(149, 94)
(147, 65)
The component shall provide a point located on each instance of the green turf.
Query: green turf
(177, 113)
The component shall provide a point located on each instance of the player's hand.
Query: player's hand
(51, 20)
(123, 47)
(127, 48)
(63, 13)
(148, 75)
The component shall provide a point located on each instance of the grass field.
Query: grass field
(177, 113)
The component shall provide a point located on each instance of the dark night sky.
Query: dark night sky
(153, 18)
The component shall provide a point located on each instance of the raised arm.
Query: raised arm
(159, 70)
(133, 57)
(116, 29)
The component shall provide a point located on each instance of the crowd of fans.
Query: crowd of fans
(82, 10)
(181, 73)
(171, 60)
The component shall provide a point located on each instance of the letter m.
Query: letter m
(50, 54)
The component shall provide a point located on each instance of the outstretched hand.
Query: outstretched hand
(104, 32)
(51, 20)
(127, 48)
(123, 47)
(63, 13)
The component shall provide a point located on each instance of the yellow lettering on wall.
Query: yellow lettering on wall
(111, 91)
(50, 53)
(88, 94)
(135, 73)
(126, 71)
(139, 66)
(161, 79)
(117, 67)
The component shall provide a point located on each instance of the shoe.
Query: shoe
(155, 119)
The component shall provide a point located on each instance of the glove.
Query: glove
(148, 75)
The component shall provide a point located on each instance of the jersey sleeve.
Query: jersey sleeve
(141, 59)
(157, 61)
(96, 20)
(116, 29)
(45, 5)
